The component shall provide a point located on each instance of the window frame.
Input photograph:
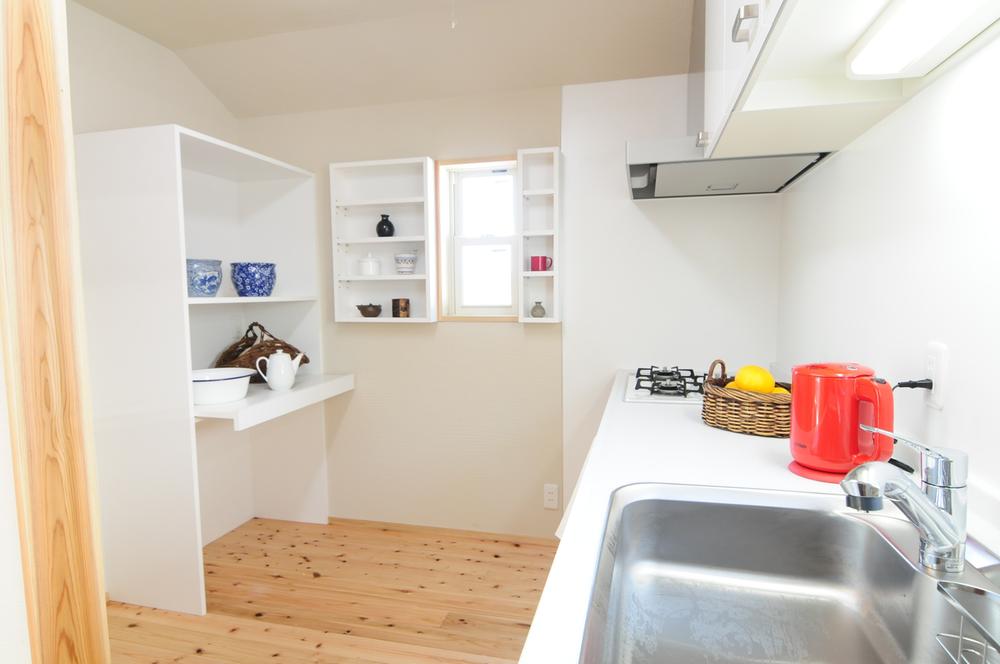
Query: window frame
(448, 243)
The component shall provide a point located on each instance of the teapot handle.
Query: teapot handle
(257, 364)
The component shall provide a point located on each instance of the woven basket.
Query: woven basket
(256, 342)
(739, 411)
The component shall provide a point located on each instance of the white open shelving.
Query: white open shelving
(538, 228)
(361, 192)
(174, 476)
(251, 300)
(263, 404)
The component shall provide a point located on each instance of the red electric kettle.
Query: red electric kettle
(829, 401)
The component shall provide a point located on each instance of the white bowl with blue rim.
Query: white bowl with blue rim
(204, 276)
(212, 386)
(253, 279)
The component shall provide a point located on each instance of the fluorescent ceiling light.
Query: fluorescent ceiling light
(912, 37)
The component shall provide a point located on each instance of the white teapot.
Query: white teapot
(281, 370)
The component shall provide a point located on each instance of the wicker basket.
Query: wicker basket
(739, 411)
(256, 342)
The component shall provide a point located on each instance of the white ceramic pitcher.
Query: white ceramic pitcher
(281, 370)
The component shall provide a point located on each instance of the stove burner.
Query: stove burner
(670, 381)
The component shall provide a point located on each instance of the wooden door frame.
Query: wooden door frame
(41, 332)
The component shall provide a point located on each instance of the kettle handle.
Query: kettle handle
(264, 375)
(878, 393)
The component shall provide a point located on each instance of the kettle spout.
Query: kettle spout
(296, 362)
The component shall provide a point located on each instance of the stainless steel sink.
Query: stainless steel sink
(683, 581)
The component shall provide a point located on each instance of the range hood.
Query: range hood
(677, 169)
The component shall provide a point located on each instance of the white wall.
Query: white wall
(13, 613)
(893, 243)
(664, 282)
(121, 79)
(453, 424)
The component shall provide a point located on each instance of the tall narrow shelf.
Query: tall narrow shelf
(172, 475)
(361, 192)
(538, 183)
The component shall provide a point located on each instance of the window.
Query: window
(478, 239)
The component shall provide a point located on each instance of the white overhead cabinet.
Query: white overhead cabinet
(775, 77)
(174, 476)
(365, 265)
(538, 227)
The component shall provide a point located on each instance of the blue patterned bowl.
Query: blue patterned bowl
(204, 277)
(253, 279)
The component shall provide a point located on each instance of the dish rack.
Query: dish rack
(974, 643)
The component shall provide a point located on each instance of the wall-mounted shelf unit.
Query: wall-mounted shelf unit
(361, 192)
(538, 227)
(172, 477)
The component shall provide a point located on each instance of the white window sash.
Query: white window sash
(464, 310)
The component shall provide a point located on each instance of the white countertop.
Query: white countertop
(641, 442)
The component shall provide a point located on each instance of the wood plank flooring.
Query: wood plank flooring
(352, 592)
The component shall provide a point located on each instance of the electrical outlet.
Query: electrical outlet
(936, 367)
(550, 496)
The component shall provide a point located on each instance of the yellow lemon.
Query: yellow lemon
(754, 379)
(778, 389)
(731, 385)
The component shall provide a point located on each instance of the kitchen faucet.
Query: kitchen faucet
(937, 507)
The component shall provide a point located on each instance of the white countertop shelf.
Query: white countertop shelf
(396, 239)
(385, 277)
(251, 300)
(385, 319)
(539, 192)
(263, 404)
(538, 273)
(406, 200)
(538, 234)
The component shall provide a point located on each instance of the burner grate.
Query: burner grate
(671, 381)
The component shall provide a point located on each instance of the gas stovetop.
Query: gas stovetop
(664, 385)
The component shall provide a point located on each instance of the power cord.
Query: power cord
(922, 384)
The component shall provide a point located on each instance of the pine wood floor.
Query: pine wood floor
(356, 592)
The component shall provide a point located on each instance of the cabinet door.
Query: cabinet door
(715, 76)
(735, 31)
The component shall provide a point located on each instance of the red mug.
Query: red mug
(541, 263)
(829, 401)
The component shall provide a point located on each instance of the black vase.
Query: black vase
(385, 227)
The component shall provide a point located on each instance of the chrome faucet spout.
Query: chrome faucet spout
(937, 506)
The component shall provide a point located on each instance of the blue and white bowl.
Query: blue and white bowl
(204, 277)
(253, 279)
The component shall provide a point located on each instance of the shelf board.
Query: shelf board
(251, 300)
(383, 240)
(205, 154)
(547, 319)
(386, 319)
(263, 404)
(405, 200)
(385, 277)
(538, 233)
(528, 274)
(538, 192)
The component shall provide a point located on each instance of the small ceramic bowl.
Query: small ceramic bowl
(213, 386)
(370, 310)
(253, 279)
(204, 277)
(406, 263)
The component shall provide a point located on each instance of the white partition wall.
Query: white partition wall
(174, 476)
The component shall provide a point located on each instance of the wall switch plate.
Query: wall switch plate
(550, 496)
(936, 366)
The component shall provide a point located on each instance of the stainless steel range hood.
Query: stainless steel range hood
(676, 169)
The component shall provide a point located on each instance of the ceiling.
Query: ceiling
(263, 57)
